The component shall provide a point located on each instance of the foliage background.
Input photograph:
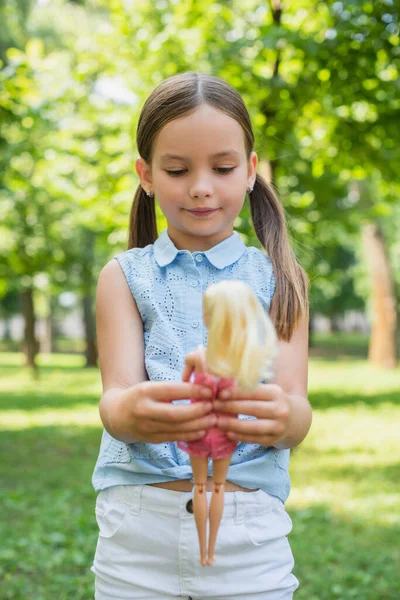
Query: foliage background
(321, 82)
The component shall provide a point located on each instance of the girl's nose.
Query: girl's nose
(201, 189)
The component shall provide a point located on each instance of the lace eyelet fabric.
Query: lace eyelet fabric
(167, 285)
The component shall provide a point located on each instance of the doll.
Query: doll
(240, 349)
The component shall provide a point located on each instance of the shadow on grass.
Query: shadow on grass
(358, 475)
(343, 557)
(49, 508)
(48, 517)
(328, 355)
(325, 399)
(30, 401)
(339, 345)
(375, 476)
(320, 400)
(48, 527)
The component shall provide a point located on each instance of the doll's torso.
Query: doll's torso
(215, 444)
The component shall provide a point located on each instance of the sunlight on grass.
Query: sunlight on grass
(81, 416)
(58, 372)
(344, 500)
(349, 376)
(350, 460)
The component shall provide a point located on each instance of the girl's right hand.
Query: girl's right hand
(145, 412)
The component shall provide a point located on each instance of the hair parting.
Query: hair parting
(181, 95)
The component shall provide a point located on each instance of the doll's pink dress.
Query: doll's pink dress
(215, 443)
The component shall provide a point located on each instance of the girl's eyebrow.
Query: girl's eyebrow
(216, 155)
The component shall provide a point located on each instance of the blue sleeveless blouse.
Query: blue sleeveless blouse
(167, 285)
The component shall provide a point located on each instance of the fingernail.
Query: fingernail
(209, 407)
(205, 392)
(212, 420)
(222, 422)
(217, 405)
(225, 394)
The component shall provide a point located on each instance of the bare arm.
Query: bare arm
(291, 374)
(133, 408)
(120, 345)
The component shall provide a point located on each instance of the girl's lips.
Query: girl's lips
(201, 212)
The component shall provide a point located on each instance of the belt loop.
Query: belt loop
(136, 499)
(239, 507)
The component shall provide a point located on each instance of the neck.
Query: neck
(196, 244)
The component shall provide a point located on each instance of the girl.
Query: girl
(195, 143)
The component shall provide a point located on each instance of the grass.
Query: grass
(344, 501)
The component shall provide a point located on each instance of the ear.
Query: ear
(144, 172)
(252, 169)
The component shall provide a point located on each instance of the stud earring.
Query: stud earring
(250, 188)
(150, 194)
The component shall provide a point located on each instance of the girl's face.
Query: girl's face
(199, 175)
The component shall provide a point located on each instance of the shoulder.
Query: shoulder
(260, 265)
(133, 267)
(135, 254)
(136, 260)
(111, 284)
(259, 257)
(259, 273)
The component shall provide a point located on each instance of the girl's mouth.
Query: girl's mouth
(202, 212)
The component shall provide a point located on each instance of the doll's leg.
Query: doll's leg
(200, 468)
(220, 469)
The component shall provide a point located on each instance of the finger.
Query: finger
(166, 391)
(246, 439)
(205, 422)
(264, 391)
(260, 427)
(182, 437)
(173, 413)
(253, 408)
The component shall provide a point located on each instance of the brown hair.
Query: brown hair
(181, 95)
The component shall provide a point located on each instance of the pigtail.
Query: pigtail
(142, 220)
(180, 95)
(291, 282)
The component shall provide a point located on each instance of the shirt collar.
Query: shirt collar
(220, 256)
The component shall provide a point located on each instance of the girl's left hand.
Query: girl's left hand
(269, 403)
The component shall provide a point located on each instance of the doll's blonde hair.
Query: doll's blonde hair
(241, 337)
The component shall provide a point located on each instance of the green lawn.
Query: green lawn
(344, 502)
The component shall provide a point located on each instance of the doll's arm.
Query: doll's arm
(194, 361)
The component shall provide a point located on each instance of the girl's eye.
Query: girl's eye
(225, 170)
(173, 173)
(221, 170)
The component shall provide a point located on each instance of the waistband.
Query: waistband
(148, 498)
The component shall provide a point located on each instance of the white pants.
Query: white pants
(148, 547)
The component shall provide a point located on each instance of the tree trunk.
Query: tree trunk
(88, 287)
(90, 336)
(48, 343)
(335, 324)
(382, 346)
(30, 344)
